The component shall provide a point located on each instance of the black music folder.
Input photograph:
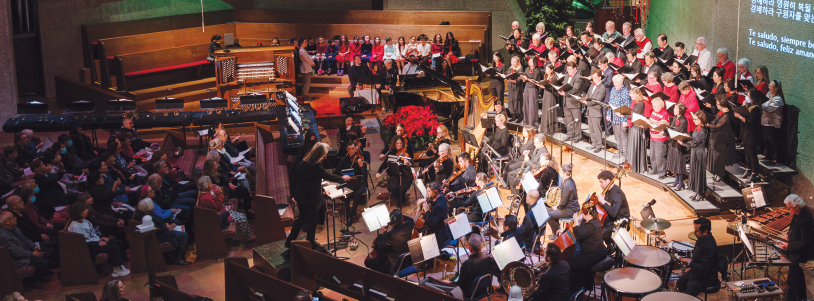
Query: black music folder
(746, 84)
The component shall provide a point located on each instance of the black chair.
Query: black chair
(482, 283)
(578, 296)
(600, 267)
(723, 267)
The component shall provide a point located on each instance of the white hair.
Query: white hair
(611, 23)
(515, 23)
(535, 37)
(610, 55)
(638, 31)
(723, 50)
(795, 200)
(703, 40)
(618, 78)
(444, 146)
(388, 60)
(541, 24)
(539, 137)
(745, 62)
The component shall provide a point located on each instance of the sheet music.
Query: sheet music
(676, 133)
(46, 145)
(540, 213)
(371, 221)
(459, 225)
(507, 252)
(483, 200)
(281, 211)
(491, 198)
(637, 116)
(382, 215)
(624, 241)
(421, 187)
(27, 172)
(669, 103)
(529, 182)
(436, 55)
(429, 247)
(334, 193)
(757, 197)
(745, 239)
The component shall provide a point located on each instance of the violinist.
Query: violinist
(391, 244)
(440, 169)
(399, 133)
(588, 232)
(463, 177)
(355, 161)
(467, 198)
(352, 131)
(569, 201)
(400, 177)
(613, 202)
(435, 210)
(441, 137)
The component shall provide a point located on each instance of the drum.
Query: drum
(651, 258)
(681, 248)
(630, 282)
(672, 296)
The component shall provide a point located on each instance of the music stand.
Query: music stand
(423, 248)
(376, 217)
(539, 214)
(334, 192)
(459, 227)
(506, 252)
(489, 199)
(373, 80)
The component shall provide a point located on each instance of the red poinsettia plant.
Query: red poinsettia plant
(419, 124)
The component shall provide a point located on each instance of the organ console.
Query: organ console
(246, 75)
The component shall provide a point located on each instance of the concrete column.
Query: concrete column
(8, 75)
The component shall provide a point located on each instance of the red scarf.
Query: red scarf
(499, 64)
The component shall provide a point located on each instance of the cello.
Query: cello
(567, 241)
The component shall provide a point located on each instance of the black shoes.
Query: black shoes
(661, 177)
(319, 248)
(747, 174)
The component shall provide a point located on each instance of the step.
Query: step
(167, 90)
(191, 100)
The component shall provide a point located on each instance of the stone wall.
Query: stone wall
(8, 77)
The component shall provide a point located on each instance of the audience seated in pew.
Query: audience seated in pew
(165, 225)
(115, 248)
(24, 252)
(150, 191)
(213, 197)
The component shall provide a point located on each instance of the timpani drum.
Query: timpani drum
(651, 258)
(672, 296)
(630, 283)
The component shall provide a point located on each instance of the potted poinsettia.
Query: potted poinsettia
(419, 123)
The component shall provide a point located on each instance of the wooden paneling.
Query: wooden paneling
(284, 31)
(163, 58)
(265, 30)
(363, 17)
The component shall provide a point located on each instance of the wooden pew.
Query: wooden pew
(162, 66)
(76, 267)
(210, 239)
(111, 47)
(310, 268)
(186, 161)
(11, 277)
(241, 282)
(92, 33)
(143, 245)
(80, 297)
(167, 288)
(272, 185)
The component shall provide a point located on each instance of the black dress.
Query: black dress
(698, 161)
(515, 101)
(637, 143)
(548, 118)
(722, 144)
(676, 153)
(498, 85)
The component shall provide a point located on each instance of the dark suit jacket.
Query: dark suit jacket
(801, 237)
(608, 82)
(51, 193)
(553, 284)
(306, 184)
(704, 257)
(17, 245)
(655, 67)
(576, 82)
(358, 74)
(467, 179)
(434, 220)
(394, 242)
(667, 53)
(534, 156)
(590, 237)
(618, 208)
(597, 92)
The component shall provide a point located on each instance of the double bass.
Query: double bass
(567, 240)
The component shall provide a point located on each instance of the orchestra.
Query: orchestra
(689, 116)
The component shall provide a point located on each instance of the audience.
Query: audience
(23, 251)
(212, 196)
(114, 248)
(166, 225)
(113, 291)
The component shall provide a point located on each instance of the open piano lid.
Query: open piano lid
(453, 85)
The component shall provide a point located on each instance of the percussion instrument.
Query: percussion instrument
(672, 296)
(630, 283)
(656, 224)
(681, 248)
(692, 236)
(651, 258)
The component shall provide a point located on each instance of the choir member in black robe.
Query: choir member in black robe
(497, 86)
(750, 132)
(676, 153)
(721, 139)
(698, 156)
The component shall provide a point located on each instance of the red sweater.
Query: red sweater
(658, 118)
(729, 66)
(208, 200)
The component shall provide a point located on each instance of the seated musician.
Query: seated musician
(588, 233)
(553, 284)
(527, 155)
(500, 141)
(499, 109)
(512, 230)
(352, 131)
(467, 198)
(525, 145)
(401, 177)
(390, 245)
(435, 209)
(388, 76)
(358, 74)
(614, 203)
(702, 272)
(530, 230)
(478, 264)
(548, 176)
(441, 168)
(399, 133)
(441, 137)
(355, 161)
(464, 176)
(569, 201)
(532, 162)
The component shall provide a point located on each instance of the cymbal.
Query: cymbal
(692, 236)
(656, 224)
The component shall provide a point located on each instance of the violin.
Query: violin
(402, 154)
(436, 164)
(455, 176)
(432, 146)
(358, 159)
(466, 190)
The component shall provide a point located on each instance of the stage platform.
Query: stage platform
(719, 195)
